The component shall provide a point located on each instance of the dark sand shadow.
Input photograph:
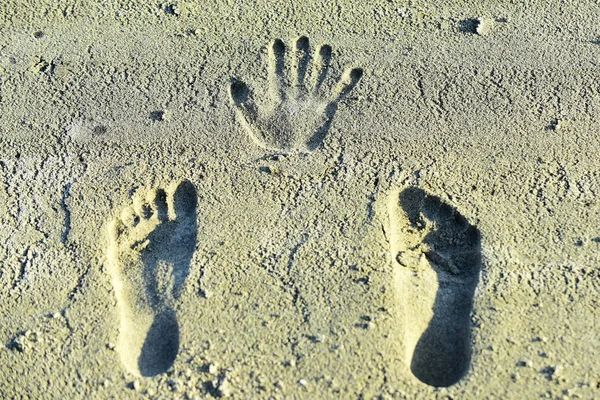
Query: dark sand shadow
(172, 243)
(443, 352)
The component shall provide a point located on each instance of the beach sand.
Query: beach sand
(319, 200)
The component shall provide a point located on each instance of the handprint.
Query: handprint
(301, 103)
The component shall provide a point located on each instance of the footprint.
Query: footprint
(150, 247)
(301, 104)
(437, 256)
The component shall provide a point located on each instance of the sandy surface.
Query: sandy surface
(299, 200)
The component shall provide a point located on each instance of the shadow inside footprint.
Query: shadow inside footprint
(172, 243)
(452, 248)
(161, 345)
(167, 260)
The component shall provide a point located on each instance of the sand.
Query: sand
(319, 200)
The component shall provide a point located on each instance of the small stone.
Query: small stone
(271, 170)
(151, 392)
(319, 338)
(110, 346)
(213, 369)
(171, 9)
(568, 392)
(529, 363)
(19, 345)
(557, 372)
(302, 382)
(135, 385)
(484, 26)
(224, 388)
(555, 125)
(159, 116)
(290, 363)
(365, 325)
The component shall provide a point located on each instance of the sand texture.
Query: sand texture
(299, 200)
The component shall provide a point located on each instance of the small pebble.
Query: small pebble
(212, 369)
(484, 26)
(224, 388)
(174, 385)
(557, 371)
(290, 363)
(303, 382)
